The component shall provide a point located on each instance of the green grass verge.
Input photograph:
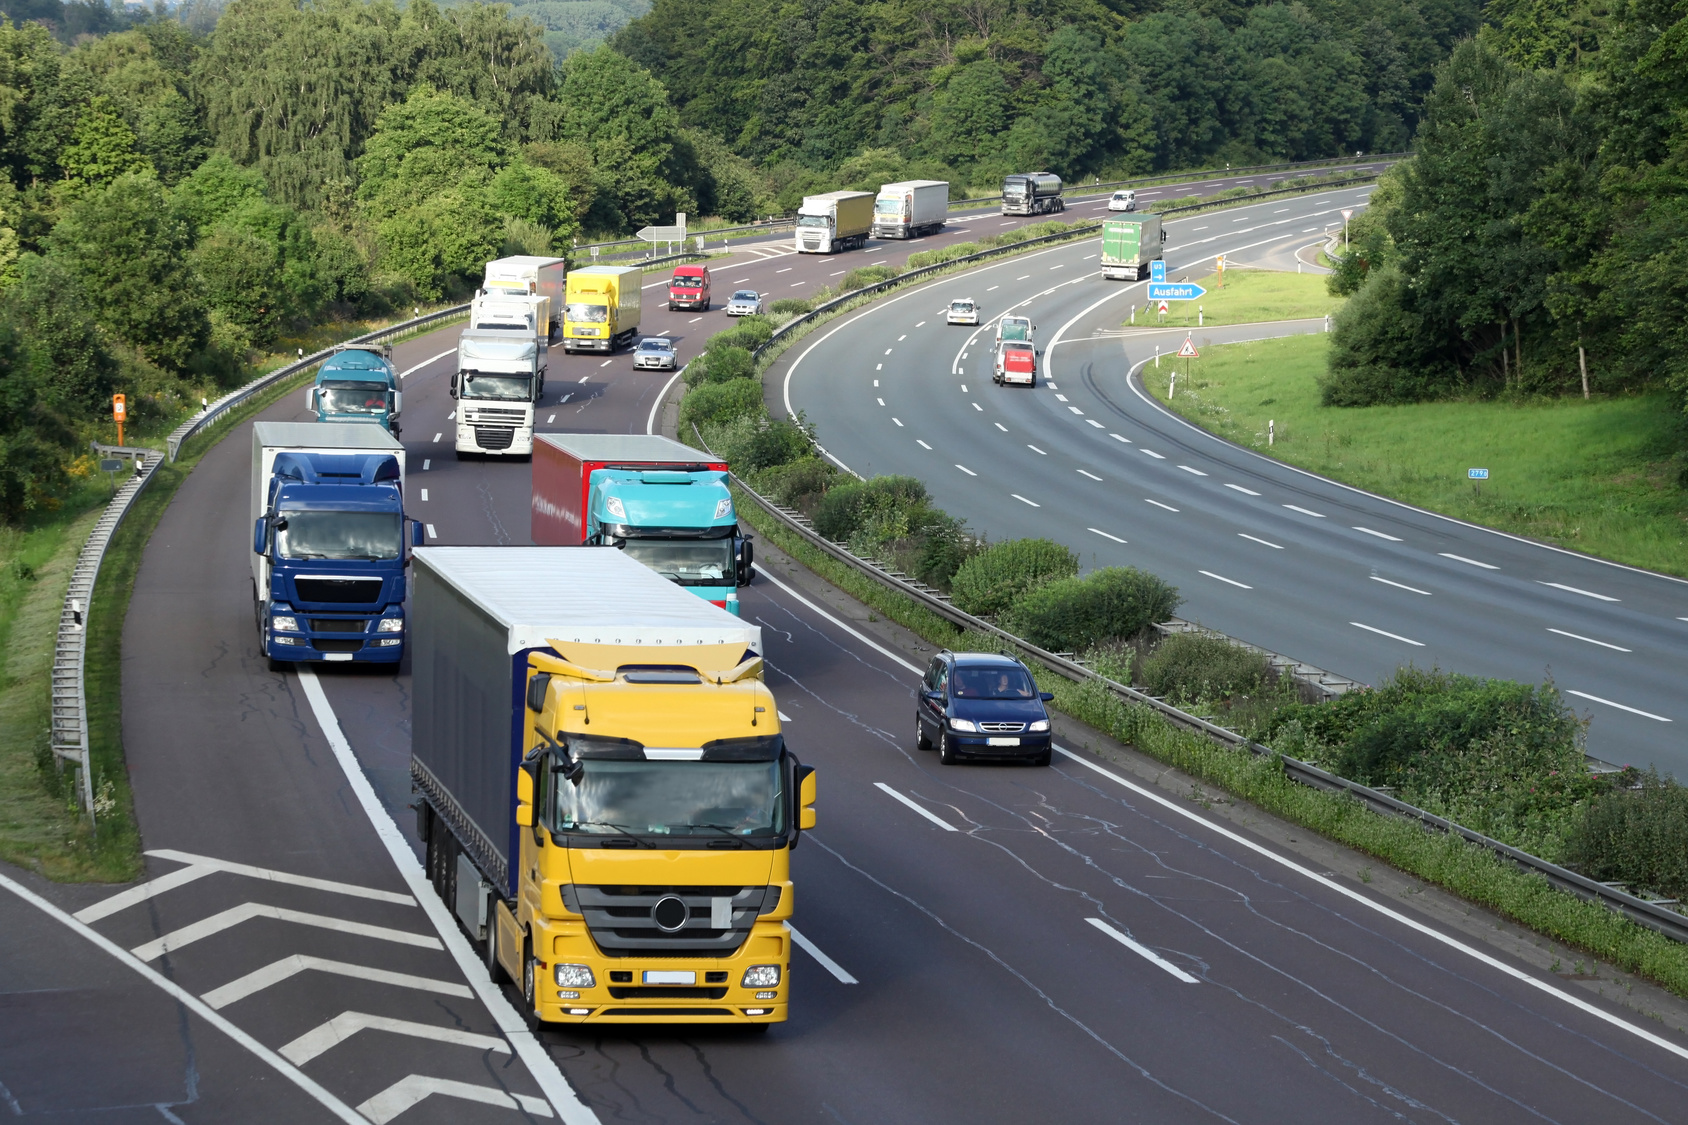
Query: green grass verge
(1247, 297)
(1450, 862)
(1593, 476)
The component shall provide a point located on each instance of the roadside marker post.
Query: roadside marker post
(1346, 215)
(1477, 477)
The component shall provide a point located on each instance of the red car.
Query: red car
(689, 288)
(1016, 364)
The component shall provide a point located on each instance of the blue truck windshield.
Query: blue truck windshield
(671, 799)
(503, 388)
(353, 398)
(690, 562)
(339, 535)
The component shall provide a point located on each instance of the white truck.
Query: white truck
(499, 378)
(838, 220)
(910, 209)
(528, 316)
(528, 275)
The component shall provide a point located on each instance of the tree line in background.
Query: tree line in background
(1540, 229)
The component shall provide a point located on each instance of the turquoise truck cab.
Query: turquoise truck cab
(680, 524)
(357, 384)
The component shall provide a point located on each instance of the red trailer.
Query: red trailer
(563, 465)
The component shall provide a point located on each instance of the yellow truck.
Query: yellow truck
(608, 802)
(601, 308)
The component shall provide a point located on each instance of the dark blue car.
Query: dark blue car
(981, 705)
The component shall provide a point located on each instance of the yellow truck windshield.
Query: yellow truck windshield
(588, 314)
(674, 798)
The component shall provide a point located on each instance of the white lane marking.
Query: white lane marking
(424, 494)
(1590, 640)
(1222, 578)
(979, 408)
(1076, 410)
(661, 397)
(922, 324)
(514, 1029)
(903, 337)
(1156, 456)
(1105, 535)
(550, 419)
(837, 273)
(288, 967)
(1379, 534)
(1117, 437)
(881, 402)
(993, 288)
(1391, 636)
(879, 367)
(425, 463)
(1187, 469)
(437, 437)
(247, 911)
(122, 900)
(1280, 210)
(1041, 453)
(1023, 500)
(410, 1090)
(1088, 473)
(426, 362)
(583, 378)
(897, 420)
(1000, 426)
(1094, 422)
(741, 281)
(665, 332)
(939, 821)
(1158, 504)
(966, 470)
(1060, 398)
(451, 416)
(887, 351)
(1262, 542)
(606, 363)
(1305, 511)
(1200, 228)
(694, 320)
(1244, 491)
(570, 395)
(787, 269)
(1055, 267)
(432, 534)
(1399, 586)
(964, 388)
(188, 1000)
(1355, 896)
(1574, 590)
(921, 444)
(1143, 951)
(1471, 562)
(1619, 706)
(827, 963)
(1022, 277)
(876, 382)
(327, 1036)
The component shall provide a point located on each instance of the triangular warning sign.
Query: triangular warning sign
(1188, 351)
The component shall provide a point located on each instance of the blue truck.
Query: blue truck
(664, 503)
(329, 542)
(357, 384)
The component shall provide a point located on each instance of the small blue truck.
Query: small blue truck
(329, 542)
(357, 384)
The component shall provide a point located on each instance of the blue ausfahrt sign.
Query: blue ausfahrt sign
(1175, 291)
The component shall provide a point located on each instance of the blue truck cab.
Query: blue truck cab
(357, 384)
(330, 543)
(680, 524)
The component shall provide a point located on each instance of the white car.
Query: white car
(745, 302)
(962, 311)
(1123, 201)
(654, 351)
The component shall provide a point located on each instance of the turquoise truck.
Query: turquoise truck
(664, 503)
(357, 384)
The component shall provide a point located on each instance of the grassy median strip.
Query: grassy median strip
(1595, 476)
(1246, 297)
(1450, 862)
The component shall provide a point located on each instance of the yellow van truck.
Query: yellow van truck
(601, 308)
(607, 798)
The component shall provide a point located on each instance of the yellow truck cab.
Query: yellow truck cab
(626, 858)
(601, 307)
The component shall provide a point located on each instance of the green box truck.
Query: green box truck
(1129, 244)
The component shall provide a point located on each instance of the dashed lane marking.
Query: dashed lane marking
(1244, 491)
(432, 534)
(939, 821)
(1385, 633)
(1187, 469)
(1104, 534)
(1041, 453)
(1575, 590)
(424, 494)
(1619, 706)
(1088, 473)
(1227, 581)
(1400, 586)
(1379, 534)
(1156, 456)
(1158, 504)
(1590, 640)
(1262, 542)
(921, 444)
(1143, 951)
(814, 951)
(1117, 437)
(1468, 562)
(426, 362)
(1023, 500)
(1305, 511)
(966, 470)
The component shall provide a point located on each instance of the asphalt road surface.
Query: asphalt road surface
(983, 943)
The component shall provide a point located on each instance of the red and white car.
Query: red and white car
(1016, 365)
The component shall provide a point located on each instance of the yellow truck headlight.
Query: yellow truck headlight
(575, 976)
(761, 976)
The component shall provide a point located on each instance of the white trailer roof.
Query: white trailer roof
(326, 435)
(583, 595)
(625, 447)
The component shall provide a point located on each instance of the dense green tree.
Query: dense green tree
(621, 114)
(74, 369)
(102, 149)
(32, 438)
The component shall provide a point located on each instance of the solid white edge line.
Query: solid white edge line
(1619, 706)
(1143, 951)
(1391, 636)
(661, 397)
(1590, 640)
(191, 1002)
(1452, 943)
(426, 362)
(1410, 923)
(939, 821)
(540, 1064)
(827, 963)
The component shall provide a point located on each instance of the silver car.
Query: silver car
(745, 302)
(654, 351)
(1123, 201)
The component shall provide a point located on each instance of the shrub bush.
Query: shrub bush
(756, 327)
(993, 579)
(1195, 666)
(1073, 614)
(1635, 835)
(715, 404)
(790, 306)
(849, 508)
(864, 276)
(752, 442)
(735, 337)
(724, 365)
(799, 484)
(943, 254)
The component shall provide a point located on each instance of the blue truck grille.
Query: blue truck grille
(359, 591)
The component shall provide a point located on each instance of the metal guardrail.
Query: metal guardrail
(1656, 916)
(234, 398)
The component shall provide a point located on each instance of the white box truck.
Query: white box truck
(838, 220)
(528, 316)
(525, 275)
(498, 379)
(910, 209)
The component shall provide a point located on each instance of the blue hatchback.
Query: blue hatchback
(979, 704)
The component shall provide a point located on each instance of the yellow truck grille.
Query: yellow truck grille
(668, 921)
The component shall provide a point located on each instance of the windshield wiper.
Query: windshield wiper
(625, 830)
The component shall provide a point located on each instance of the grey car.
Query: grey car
(744, 302)
(654, 351)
